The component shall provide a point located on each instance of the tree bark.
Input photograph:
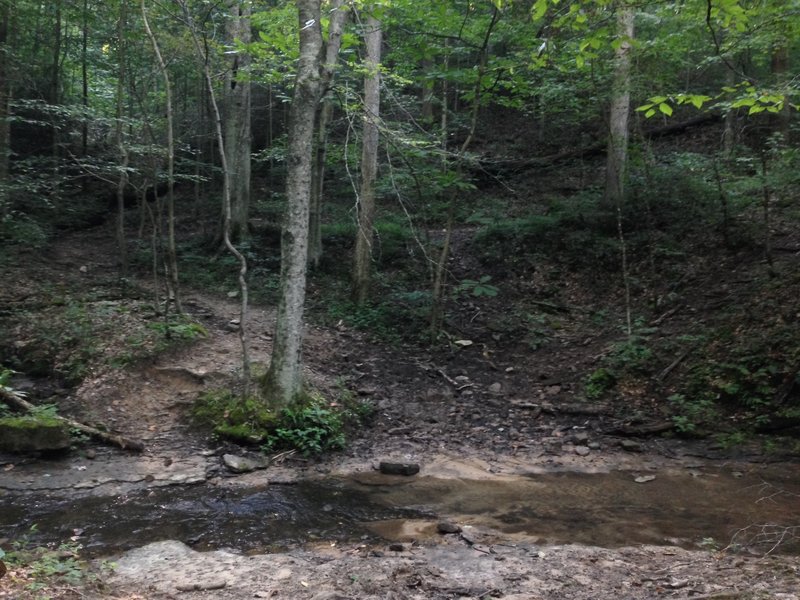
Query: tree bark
(617, 158)
(5, 112)
(119, 139)
(172, 258)
(362, 263)
(338, 18)
(238, 133)
(283, 382)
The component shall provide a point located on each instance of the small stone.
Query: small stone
(397, 547)
(496, 388)
(645, 478)
(90, 453)
(393, 468)
(594, 445)
(447, 527)
(580, 437)
(582, 450)
(630, 446)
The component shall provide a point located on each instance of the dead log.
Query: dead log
(642, 430)
(15, 401)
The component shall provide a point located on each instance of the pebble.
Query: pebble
(582, 450)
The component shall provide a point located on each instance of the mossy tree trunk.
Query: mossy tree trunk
(283, 382)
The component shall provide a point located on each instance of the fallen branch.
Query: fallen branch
(663, 375)
(15, 401)
(642, 430)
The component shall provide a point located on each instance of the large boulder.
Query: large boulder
(33, 434)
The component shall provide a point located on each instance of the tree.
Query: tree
(5, 112)
(172, 259)
(238, 136)
(339, 15)
(362, 263)
(617, 157)
(283, 382)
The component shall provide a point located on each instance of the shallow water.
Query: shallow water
(686, 508)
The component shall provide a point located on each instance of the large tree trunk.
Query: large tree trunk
(338, 18)
(616, 164)
(362, 263)
(238, 134)
(283, 382)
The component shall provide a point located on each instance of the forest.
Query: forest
(271, 241)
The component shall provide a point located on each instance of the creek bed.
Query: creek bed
(688, 508)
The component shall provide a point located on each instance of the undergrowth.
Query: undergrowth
(311, 425)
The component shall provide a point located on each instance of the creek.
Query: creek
(685, 507)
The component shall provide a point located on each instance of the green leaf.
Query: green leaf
(665, 108)
(650, 113)
(743, 102)
(644, 107)
(756, 108)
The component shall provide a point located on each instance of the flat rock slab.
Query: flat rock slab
(451, 568)
(106, 475)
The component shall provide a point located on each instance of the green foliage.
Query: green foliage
(246, 420)
(477, 288)
(47, 567)
(312, 425)
(692, 414)
(599, 382)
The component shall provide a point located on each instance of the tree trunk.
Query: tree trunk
(324, 115)
(5, 106)
(362, 264)
(780, 71)
(238, 134)
(122, 182)
(617, 159)
(283, 382)
(85, 83)
(172, 258)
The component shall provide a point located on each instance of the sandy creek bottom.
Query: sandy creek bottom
(682, 507)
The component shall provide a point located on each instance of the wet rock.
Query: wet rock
(582, 450)
(241, 464)
(447, 527)
(33, 434)
(398, 468)
(630, 445)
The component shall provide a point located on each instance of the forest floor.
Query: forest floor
(492, 411)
